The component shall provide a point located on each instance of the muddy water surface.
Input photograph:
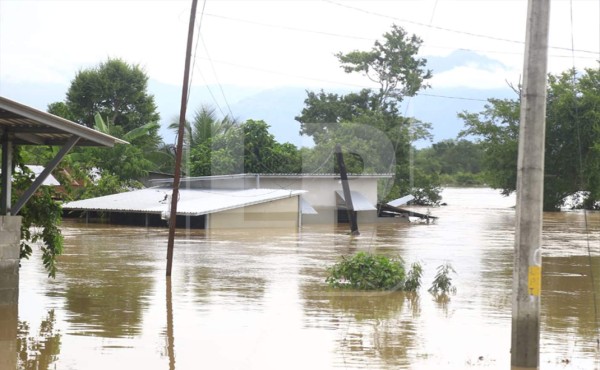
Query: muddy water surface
(250, 299)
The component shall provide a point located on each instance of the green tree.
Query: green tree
(200, 132)
(572, 161)
(248, 147)
(394, 65)
(116, 90)
(41, 217)
(204, 126)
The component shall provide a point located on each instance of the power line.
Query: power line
(354, 37)
(322, 33)
(334, 82)
(217, 78)
(581, 173)
(472, 34)
(196, 50)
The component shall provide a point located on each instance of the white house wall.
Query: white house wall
(321, 195)
(282, 213)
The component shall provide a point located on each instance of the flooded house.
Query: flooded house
(240, 201)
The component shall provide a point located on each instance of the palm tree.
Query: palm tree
(204, 126)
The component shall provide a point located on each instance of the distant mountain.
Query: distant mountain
(440, 107)
(278, 106)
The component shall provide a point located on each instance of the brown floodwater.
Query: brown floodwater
(250, 299)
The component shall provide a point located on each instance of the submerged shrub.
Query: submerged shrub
(413, 278)
(442, 283)
(366, 271)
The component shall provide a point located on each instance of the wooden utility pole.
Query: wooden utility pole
(180, 133)
(527, 269)
(346, 189)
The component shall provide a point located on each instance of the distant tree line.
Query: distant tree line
(375, 137)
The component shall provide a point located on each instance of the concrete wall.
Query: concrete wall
(281, 213)
(10, 238)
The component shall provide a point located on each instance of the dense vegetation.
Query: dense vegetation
(572, 151)
(452, 162)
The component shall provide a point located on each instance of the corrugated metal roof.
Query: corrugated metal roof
(32, 126)
(359, 201)
(192, 202)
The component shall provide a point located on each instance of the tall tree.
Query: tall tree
(116, 90)
(572, 154)
(394, 65)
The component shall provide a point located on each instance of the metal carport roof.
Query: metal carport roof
(24, 125)
(30, 126)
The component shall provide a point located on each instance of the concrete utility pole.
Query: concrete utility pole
(527, 269)
(180, 133)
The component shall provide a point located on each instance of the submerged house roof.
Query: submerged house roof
(192, 202)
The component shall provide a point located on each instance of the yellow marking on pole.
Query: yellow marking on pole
(534, 281)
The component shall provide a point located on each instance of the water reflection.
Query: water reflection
(247, 300)
(369, 325)
(170, 337)
(8, 333)
(105, 290)
(38, 350)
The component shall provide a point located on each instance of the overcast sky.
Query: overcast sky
(278, 43)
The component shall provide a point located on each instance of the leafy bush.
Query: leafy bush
(366, 271)
(442, 283)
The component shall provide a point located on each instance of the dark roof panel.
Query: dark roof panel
(30, 126)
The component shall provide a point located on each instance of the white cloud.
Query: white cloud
(476, 77)
(269, 43)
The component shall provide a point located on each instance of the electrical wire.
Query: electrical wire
(339, 83)
(581, 172)
(354, 37)
(472, 34)
(217, 78)
(195, 51)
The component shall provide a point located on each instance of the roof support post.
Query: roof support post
(5, 181)
(47, 170)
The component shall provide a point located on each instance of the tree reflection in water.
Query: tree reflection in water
(377, 326)
(38, 351)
